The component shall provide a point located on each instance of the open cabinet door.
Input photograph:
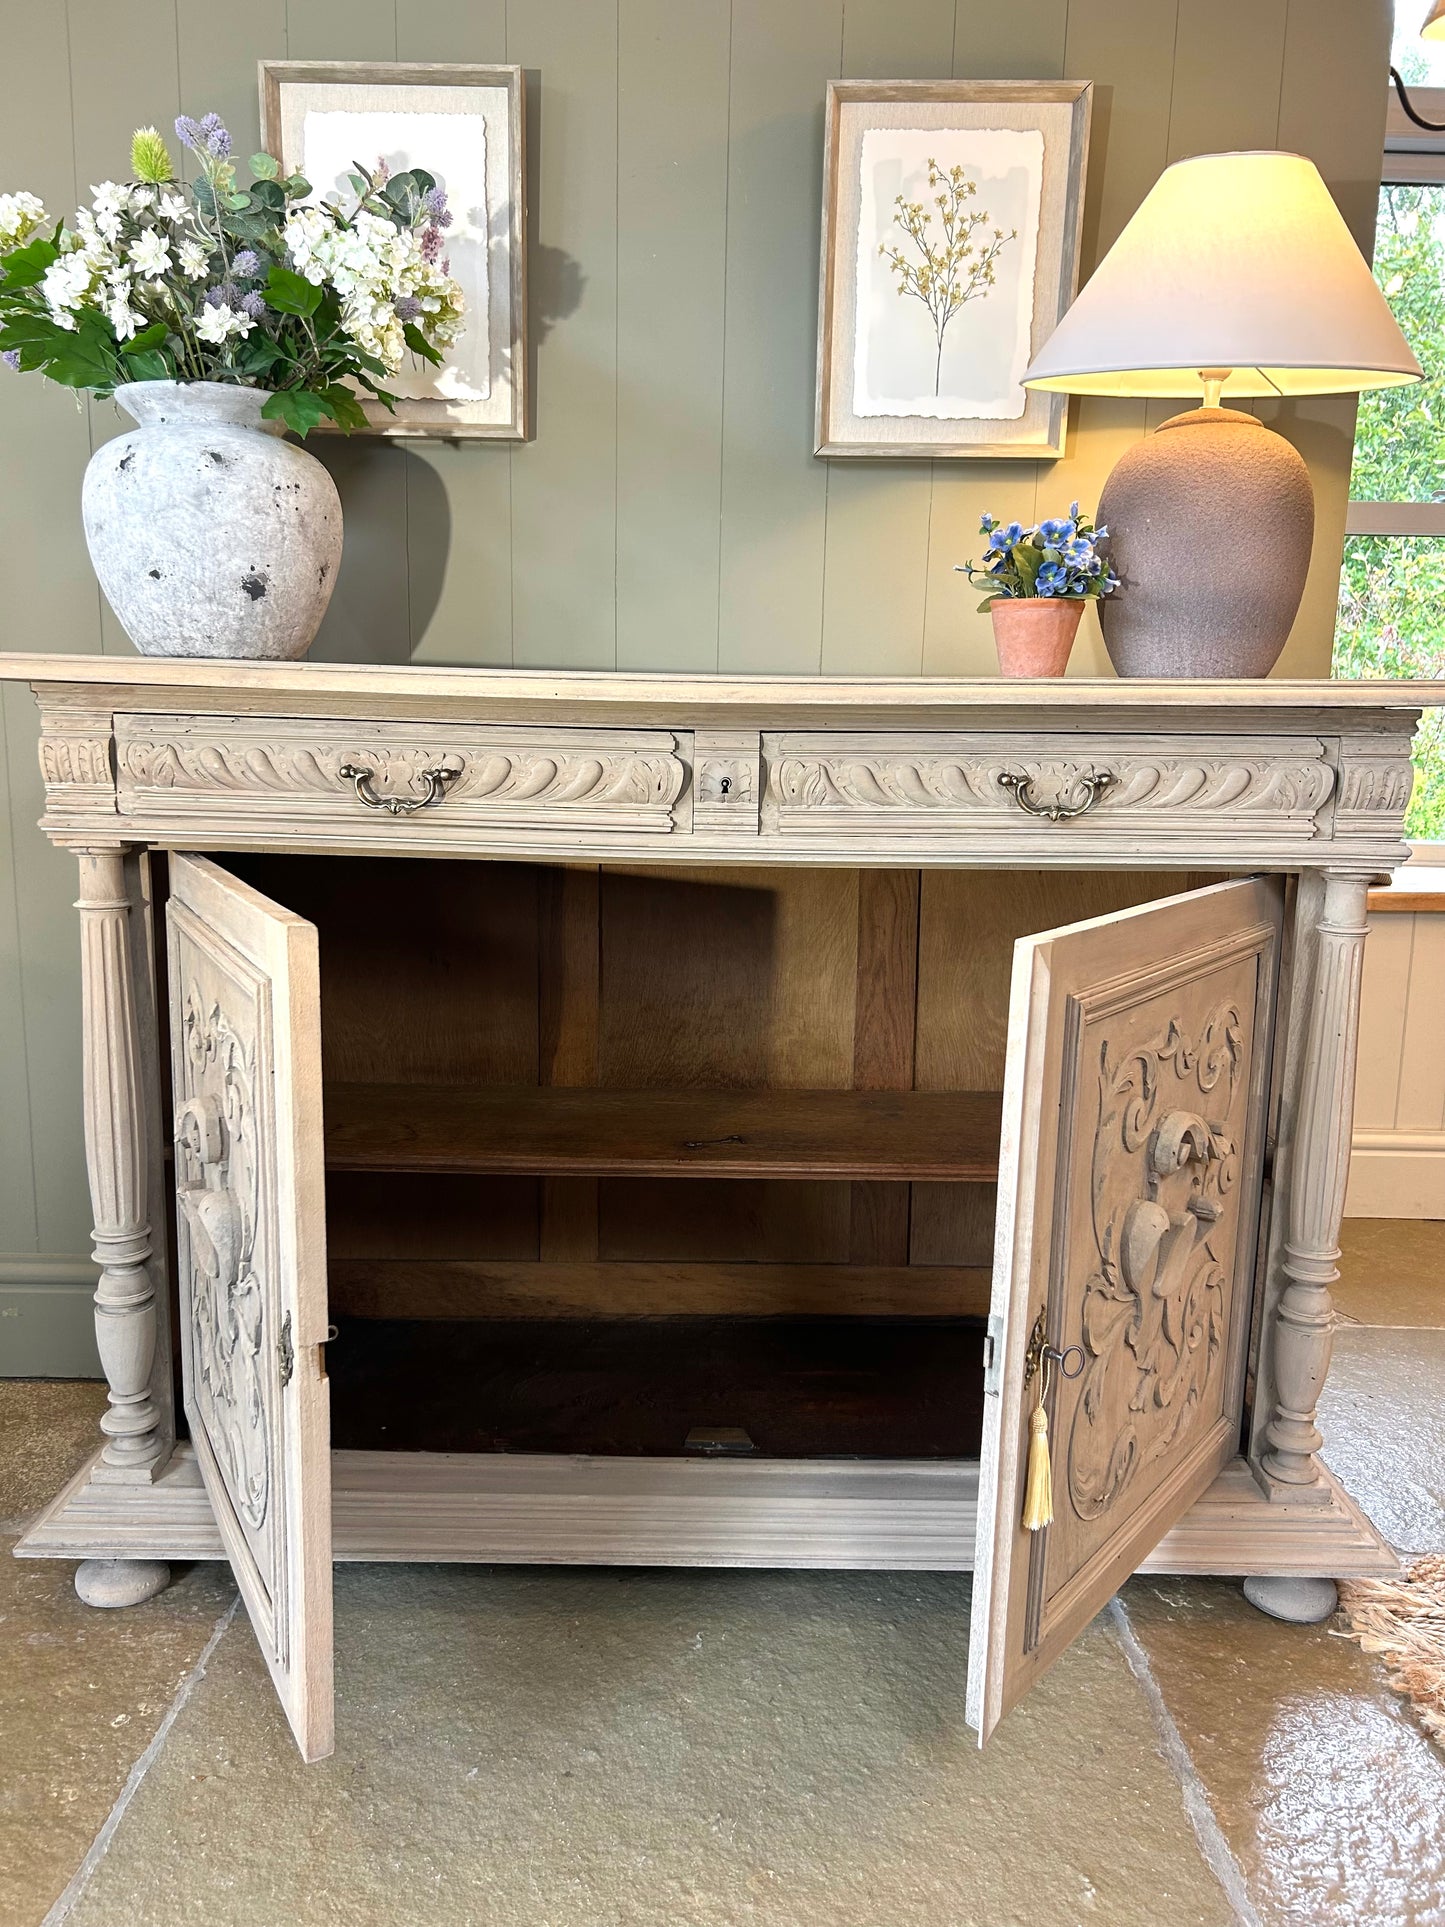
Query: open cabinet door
(245, 1008)
(1133, 1139)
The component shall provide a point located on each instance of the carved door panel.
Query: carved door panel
(246, 1074)
(1131, 1158)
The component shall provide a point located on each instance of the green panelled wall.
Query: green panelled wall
(669, 512)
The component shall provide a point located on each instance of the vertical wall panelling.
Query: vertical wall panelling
(1399, 1127)
(957, 639)
(118, 82)
(458, 494)
(876, 562)
(564, 484)
(672, 186)
(50, 600)
(774, 491)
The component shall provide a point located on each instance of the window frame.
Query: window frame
(1412, 158)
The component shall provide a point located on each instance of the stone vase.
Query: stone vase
(1034, 634)
(211, 534)
(1211, 520)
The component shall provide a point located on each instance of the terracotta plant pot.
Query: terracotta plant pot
(1034, 634)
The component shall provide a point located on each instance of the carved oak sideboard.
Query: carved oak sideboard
(1147, 1110)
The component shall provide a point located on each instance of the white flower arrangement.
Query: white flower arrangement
(160, 280)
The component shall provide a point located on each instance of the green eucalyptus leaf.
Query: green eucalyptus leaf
(291, 293)
(24, 267)
(265, 167)
(299, 408)
(142, 343)
(343, 407)
(419, 345)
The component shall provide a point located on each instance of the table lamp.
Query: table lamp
(1236, 277)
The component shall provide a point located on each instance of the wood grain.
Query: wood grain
(440, 1288)
(746, 1134)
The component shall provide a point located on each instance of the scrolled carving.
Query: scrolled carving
(524, 778)
(1154, 1310)
(218, 1190)
(936, 782)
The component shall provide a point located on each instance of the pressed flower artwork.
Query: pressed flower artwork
(467, 121)
(456, 147)
(947, 238)
(951, 219)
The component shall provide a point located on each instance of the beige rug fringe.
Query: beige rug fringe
(1402, 1621)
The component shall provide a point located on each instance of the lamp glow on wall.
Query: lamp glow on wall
(1236, 277)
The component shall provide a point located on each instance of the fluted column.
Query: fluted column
(1324, 1113)
(116, 1155)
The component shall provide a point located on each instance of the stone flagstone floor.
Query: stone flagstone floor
(563, 1748)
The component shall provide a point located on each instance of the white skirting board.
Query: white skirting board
(1396, 1174)
(544, 1509)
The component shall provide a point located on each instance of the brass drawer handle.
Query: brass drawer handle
(1020, 788)
(438, 782)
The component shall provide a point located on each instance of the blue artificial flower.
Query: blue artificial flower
(247, 264)
(1003, 539)
(1079, 552)
(986, 522)
(1051, 580)
(1074, 511)
(11, 358)
(1101, 535)
(407, 307)
(252, 304)
(188, 132)
(1053, 534)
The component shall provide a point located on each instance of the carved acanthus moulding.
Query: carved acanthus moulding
(205, 761)
(1280, 786)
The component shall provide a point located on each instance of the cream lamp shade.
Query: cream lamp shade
(1434, 27)
(1237, 262)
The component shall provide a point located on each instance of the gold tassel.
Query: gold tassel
(1039, 1488)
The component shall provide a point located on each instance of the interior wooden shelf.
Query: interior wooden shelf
(551, 1131)
(513, 1288)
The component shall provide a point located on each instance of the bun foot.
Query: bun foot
(120, 1582)
(1304, 1602)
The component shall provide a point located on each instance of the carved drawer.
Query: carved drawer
(1026, 793)
(400, 784)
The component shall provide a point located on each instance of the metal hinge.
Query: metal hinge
(286, 1352)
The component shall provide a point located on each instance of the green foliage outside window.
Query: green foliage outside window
(1392, 588)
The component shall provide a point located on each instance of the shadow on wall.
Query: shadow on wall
(388, 588)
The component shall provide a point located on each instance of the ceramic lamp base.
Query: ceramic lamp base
(1211, 522)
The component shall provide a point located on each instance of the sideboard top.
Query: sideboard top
(625, 696)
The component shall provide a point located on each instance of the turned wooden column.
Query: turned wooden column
(1324, 1120)
(117, 1156)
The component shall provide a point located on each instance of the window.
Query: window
(1391, 618)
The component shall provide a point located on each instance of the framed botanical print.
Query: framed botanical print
(464, 125)
(951, 219)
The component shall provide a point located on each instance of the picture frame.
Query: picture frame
(314, 120)
(952, 215)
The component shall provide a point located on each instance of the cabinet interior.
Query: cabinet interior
(619, 1154)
